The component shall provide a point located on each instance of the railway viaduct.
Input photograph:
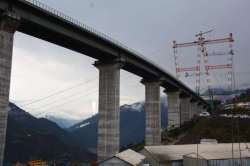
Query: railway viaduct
(41, 21)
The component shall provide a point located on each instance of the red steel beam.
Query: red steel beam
(185, 69)
(214, 67)
(204, 42)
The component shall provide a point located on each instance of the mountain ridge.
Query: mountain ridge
(29, 137)
(130, 133)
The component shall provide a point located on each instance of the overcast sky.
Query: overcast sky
(41, 68)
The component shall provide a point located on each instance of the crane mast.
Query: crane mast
(202, 56)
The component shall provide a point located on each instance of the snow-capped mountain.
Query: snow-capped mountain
(134, 107)
(45, 134)
(30, 137)
(62, 119)
(132, 124)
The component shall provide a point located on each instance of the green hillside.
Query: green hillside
(223, 129)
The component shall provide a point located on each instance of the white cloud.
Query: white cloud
(38, 72)
(41, 68)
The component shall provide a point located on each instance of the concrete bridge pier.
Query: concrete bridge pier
(152, 112)
(196, 111)
(173, 109)
(8, 26)
(185, 109)
(108, 143)
(204, 108)
(199, 108)
(193, 105)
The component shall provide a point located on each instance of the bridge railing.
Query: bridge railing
(90, 30)
(79, 24)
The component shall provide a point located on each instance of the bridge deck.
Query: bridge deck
(43, 22)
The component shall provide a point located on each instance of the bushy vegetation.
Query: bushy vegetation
(220, 128)
(175, 133)
(244, 97)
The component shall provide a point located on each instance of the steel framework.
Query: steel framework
(203, 56)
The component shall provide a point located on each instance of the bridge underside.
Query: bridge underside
(32, 20)
(46, 25)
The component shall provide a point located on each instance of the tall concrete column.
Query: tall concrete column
(204, 109)
(173, 109)
(152, 112)
(185, 109)
(195, 107)
(8, 25)
(192, 109)
(199, 108)
(108, 143)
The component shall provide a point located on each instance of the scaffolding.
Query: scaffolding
(203, 66)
